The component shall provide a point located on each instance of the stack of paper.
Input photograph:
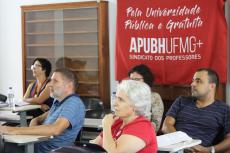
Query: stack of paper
(172, 138)
(175, 141)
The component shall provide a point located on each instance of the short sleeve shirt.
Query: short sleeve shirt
(205, 123)
(141, 128)
(72, 109)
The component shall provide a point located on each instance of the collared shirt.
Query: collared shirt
(72, 109)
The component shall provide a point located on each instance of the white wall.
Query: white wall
(11, 45)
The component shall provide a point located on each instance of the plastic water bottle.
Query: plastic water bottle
(113, 97)
(11, 98)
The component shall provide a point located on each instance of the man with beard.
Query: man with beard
(201, 116)
(63, 121)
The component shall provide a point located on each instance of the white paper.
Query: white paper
(172, 138)
(20, 102)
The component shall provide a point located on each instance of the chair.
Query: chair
(94, 108)
(80, 147)
(93, 103)
(3, 98)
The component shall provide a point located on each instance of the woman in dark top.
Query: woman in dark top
(38, 92)
(143, 73)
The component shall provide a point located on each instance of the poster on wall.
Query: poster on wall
(173, 38)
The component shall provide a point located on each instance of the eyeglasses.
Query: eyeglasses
(35, 66)
(137, 79)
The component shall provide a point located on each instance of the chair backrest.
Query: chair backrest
(91, 147)
(3, 98)
(81, 147)
(94, 107)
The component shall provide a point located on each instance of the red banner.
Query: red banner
(173, 38)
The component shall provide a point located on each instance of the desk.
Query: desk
(21, 110)
(27, 140)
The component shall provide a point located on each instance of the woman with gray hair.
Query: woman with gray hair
(129, 130)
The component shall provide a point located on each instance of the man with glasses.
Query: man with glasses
(63, 121)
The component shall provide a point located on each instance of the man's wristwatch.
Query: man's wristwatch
(213, 149)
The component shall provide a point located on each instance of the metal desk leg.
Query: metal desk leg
(23, 121)
(29, 148)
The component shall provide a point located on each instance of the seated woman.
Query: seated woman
(143, 73)
(128, 130)
(38, 92)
